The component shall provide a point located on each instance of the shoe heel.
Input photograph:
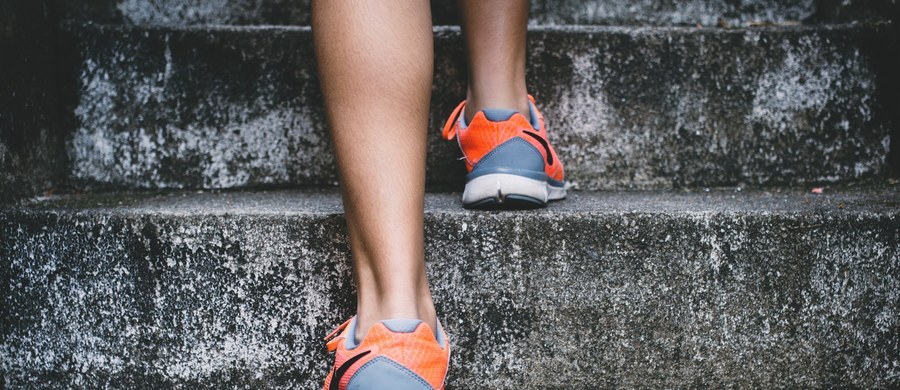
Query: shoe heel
(505, 191)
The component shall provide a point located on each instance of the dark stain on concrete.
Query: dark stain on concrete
(31, 149)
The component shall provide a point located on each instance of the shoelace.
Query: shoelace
(449, 131)
(450, 127)
(332, 341)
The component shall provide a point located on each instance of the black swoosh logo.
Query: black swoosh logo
(336, 378)
(543, 143)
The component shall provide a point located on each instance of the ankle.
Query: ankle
(508, 100)
(418, 308)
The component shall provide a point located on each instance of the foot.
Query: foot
(511, 164)
(395, 354)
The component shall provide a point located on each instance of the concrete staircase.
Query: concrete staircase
(200, 242)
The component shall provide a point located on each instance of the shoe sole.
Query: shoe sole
(509, 192)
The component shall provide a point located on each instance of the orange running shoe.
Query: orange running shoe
(396, 354)
(510, 163)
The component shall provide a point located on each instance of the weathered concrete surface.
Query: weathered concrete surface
(709, 12)
(543, 12)
(644, 108)
(31, 141)
(660, 289)
(199, 108)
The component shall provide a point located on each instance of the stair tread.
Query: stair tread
(867, 199)
(574, 28)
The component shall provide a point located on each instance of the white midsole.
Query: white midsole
(500, 185)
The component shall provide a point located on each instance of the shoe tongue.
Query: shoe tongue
(498, 114)
(402, 325)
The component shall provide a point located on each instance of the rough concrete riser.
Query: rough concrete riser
(604, 290)
(543, 12)
(627, 107)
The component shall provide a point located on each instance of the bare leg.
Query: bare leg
(375, 65)
(495, 39)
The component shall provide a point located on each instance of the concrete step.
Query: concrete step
(628, 289)
(644, 108)
(543, 12)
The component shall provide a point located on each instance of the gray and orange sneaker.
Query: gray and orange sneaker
(509, 161)
(396, 354)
